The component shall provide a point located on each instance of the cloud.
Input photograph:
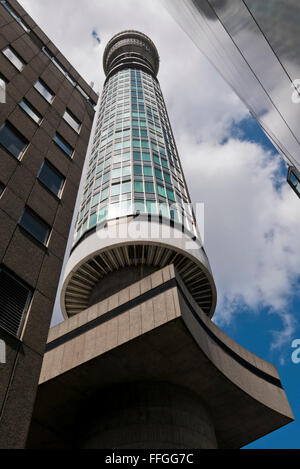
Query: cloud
(251, 228)
(252, 225)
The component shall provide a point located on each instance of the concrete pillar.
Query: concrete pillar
(118, 280)
(148, 415)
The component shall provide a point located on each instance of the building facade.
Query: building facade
(138, 363)
(46, 116)
(254, 46)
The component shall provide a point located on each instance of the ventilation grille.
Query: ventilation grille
(14, 301)
(87, 275)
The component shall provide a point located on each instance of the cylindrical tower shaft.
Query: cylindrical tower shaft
(135, 209)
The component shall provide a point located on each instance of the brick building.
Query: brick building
(45, 125)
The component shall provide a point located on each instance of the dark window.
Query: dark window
(3, 83)
(51, 178)
(12, 140)
(3, 78)
(63, 145)
(43, 89)
(15, 297)
(294, 179)
(31, 111)
(35, 226)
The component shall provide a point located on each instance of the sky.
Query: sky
(252, 221)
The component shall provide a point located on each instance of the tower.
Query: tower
(138, 363)
(134, 178)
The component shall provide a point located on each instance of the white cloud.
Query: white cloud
(252, 230)
(280, 338)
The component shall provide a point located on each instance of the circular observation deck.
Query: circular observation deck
(130, 49)
(108, 260)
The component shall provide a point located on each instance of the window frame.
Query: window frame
(19, 135)
(58, 137)
(293, 173)
(39, 219)
(32, 108)
(17, 56)
(47, 88)
(74, 118)
(50, 165)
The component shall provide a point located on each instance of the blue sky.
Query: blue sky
(257, 339)
(254, 332)
(255, 336)
(252, 220)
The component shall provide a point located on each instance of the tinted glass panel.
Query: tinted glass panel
(151, 206)
(13, 58)
(138, 186)
(147, 171)
(51, 178)
(44, 91)
(35, 226)
(12, 140)
(170, 194)
(149, 187)
(294, 180)
(30, 111)
(167, 178)
(137, 170)
(126, 187)
(93, 220)
(115, 189)
(63, 145)
(126, 171)
(102, 214)
(161, 190)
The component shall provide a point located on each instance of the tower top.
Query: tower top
(130, 49)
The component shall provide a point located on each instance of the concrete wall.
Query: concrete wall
(146, 415)
(118, 280)
(151, 332)
(110, 334)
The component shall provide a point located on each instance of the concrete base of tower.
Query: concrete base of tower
(146, 367)
(118, 280)
(146, 415)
